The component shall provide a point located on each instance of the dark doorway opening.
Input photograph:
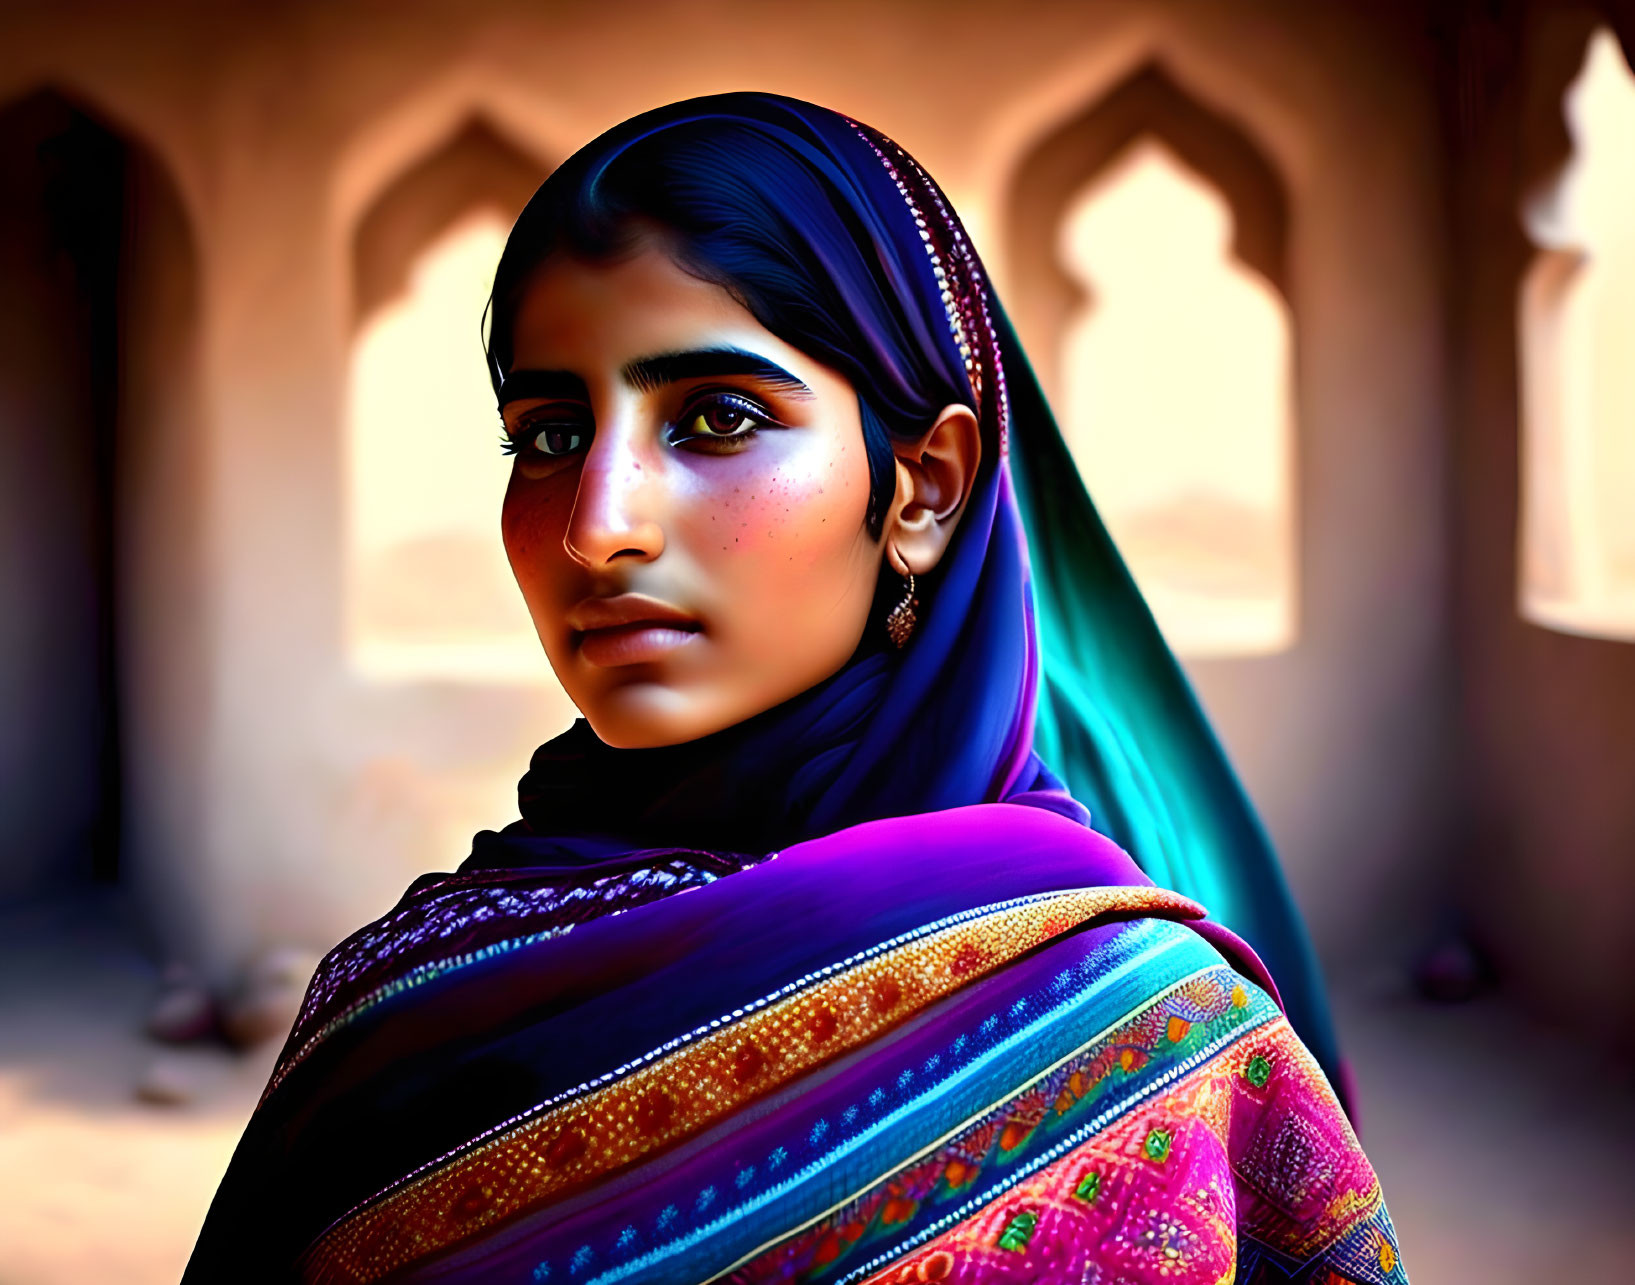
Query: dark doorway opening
(96, 284)
(61, 232)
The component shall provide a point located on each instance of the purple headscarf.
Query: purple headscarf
(948, 721)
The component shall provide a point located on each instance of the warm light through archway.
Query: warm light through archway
(1176, 383)
(431, 595)
(1577, 321)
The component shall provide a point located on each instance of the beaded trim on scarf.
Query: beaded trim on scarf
(958, 273)
(437, 927)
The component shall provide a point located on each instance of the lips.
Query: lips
(629, 629)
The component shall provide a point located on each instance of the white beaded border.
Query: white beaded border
(976, 293)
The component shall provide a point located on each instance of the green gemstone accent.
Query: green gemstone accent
(1157, 1145)
(1258, 1071)
(1089, 1186)
(1020, 1231)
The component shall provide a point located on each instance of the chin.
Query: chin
(643, 716)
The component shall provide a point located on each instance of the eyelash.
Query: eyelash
(517, 444)
(745, 406)
(521, 440)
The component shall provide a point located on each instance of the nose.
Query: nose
(613, 515)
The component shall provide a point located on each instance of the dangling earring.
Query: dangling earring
(900, 623)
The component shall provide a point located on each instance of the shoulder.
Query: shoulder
(1305, 1187)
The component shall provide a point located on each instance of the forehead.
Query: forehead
(593, 316)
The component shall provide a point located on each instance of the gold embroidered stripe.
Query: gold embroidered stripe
(547, 1156)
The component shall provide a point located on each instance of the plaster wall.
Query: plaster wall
(319, 797)
(1547, 719)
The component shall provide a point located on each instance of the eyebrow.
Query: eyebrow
(645, 374)
(544, 385)
(648, 373)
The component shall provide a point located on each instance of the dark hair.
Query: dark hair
(758, 207)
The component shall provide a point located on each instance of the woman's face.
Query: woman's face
(686, 510)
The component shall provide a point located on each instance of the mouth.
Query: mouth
(630, 629)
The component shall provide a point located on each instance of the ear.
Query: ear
(934, 479)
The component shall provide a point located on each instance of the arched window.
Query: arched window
(430, 595)
(1577, 324)
(1175, 403)
(1146, 239)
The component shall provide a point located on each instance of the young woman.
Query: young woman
(801, 964)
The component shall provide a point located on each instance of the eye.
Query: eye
(553, 439)
(558, 439)
(721, 417)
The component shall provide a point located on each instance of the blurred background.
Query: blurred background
(1336, 302)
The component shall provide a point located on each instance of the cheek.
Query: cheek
(533, 522)
(789, 538)
(805, 504)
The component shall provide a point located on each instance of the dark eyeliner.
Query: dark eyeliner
(739, 401)
(527, 430)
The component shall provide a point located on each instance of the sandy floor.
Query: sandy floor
(95, 1185)
(1508, 1154)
